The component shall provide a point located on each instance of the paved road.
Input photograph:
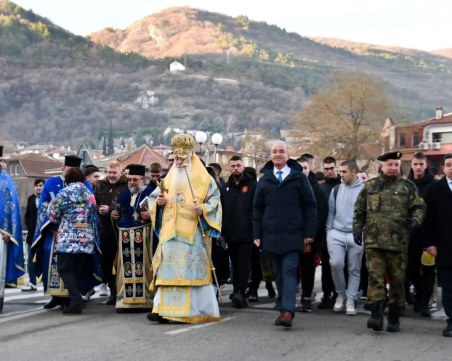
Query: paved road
(27, 332)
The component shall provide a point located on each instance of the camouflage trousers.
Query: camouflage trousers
(381, 263)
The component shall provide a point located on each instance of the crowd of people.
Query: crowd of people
(156, 246)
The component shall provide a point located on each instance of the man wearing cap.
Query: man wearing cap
(11, 251)
(43, 242)
(387, 210)
(133, 262)
(186, 213)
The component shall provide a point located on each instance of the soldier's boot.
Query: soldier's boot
(393, 319)
(375, 321)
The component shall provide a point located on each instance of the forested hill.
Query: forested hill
(56, 86)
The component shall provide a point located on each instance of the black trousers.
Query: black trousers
(445, 278)
(306, 271)
(71, 267)
(109, 249)
(240, 254)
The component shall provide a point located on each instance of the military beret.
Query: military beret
(390, 155)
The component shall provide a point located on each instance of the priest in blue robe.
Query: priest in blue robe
(11, 249)
(134, 259)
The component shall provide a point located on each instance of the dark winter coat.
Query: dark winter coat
(322, 209)
(106, 194)
(284, 213)
(423, 183)
(237, 203)
(437, 230)
(30, 217)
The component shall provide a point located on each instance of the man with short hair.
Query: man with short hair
(11, 249)
(155, 175)
(307, 257)
(30, 217)
(339, 230)
(186, 212)
(422, 278)
(133, 262)
(364, 176)
(237, 225)
(437, 234)
(92, 175)
(386, 211)
(332, 179)
(284, 221)
(106, 192)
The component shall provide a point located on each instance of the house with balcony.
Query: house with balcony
(433, 137)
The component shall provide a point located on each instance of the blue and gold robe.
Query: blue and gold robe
(11, 252)
(182, 264)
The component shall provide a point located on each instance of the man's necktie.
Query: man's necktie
(279, 176)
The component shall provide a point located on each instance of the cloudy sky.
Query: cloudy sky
(418, 24)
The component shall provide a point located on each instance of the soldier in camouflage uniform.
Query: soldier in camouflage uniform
(386, 211)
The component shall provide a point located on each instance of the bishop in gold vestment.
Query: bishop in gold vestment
(186, 216)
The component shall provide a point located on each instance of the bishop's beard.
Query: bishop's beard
(179, 180)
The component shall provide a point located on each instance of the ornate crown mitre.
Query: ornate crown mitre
(183, 144)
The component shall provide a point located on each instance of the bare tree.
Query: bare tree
(346, 115)
(256, 145)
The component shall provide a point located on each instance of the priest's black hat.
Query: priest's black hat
(137, 169)
(72, 161)
(1, 151)
(390, 155)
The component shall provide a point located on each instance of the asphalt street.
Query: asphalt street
(28, 332)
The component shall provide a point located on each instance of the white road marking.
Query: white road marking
(20, 314)
(186, 329)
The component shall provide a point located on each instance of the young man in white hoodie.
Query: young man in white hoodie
(339, 228)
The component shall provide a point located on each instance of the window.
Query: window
(415, 139)
(401, 140)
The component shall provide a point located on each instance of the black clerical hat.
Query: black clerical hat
(390, 155)
(137, 169)
(72, 161)
(1, 151)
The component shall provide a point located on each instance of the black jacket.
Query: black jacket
(31, 214)
(237, 203)
(423, 183)
(284, 213)
(322, 207)
(106, 193)
(438, 220)
(328, 186)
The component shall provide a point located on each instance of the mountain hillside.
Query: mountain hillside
(418, 80)
(56, 86)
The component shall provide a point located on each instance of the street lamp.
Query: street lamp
(202, 137)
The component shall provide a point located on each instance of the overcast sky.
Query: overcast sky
(418, 24)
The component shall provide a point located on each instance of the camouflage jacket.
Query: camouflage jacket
(382, 211)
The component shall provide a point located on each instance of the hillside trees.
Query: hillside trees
(347, 114)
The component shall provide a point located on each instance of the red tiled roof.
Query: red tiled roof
(36, 165)
(143, 155)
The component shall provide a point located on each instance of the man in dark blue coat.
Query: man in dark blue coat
(284, 219)
(437, 234)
